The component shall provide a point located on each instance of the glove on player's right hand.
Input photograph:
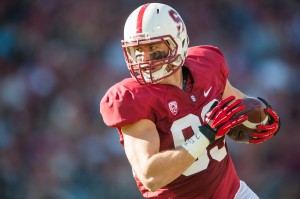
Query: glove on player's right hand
(220, 120)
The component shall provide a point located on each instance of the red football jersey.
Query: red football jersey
(177, 115)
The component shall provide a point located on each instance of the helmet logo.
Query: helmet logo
(175, 16)
(173, 107)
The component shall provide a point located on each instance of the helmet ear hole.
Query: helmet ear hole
(183, 42)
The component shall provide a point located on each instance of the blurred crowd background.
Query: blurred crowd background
(58, 58)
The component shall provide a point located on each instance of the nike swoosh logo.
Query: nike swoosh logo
(207, 92)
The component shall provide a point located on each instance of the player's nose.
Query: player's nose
(146, 55)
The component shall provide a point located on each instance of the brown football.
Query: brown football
(256, 115)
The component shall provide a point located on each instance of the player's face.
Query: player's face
(145, 53)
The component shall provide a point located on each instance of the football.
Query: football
(256, 115)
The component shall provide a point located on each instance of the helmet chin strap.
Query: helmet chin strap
(185, 73)
(156, 75)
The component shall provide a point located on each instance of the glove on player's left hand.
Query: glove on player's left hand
(265, 132)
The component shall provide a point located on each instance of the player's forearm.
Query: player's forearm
(238, 94)
(164, 167)
(230, 90)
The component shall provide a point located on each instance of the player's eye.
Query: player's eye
(152, 48)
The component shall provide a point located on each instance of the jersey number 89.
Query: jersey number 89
(194, 122)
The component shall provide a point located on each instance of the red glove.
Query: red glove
(265, 132)
(219, 120)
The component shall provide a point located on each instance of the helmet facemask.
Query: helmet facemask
(159, 67)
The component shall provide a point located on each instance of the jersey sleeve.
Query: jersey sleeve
(209, 63)
(224, 71)
(121, 106)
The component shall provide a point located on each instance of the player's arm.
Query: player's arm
(155, 169)
(230, 90)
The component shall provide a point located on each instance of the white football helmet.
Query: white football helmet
(150, 24)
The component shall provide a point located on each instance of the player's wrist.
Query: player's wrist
(196, 144)
(208, 132)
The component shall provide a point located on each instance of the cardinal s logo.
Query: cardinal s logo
(173, 107)
(175, 16)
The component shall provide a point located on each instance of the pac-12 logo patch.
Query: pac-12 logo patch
(173, 107)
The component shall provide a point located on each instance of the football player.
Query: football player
(173, 113)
